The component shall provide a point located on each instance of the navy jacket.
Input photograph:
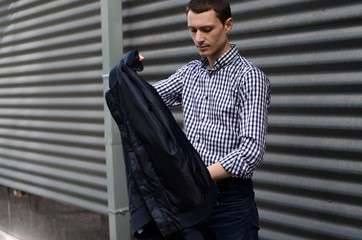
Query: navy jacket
(168, 183)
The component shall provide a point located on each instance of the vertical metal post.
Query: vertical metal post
(112, 51)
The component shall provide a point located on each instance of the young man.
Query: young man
(224, 99)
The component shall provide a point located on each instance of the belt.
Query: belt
(230, 183)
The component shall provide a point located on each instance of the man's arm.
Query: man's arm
(170, 89)
(243, 161)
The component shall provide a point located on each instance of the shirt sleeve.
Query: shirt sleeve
(170, 89)
(253, 118)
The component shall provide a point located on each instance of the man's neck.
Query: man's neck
(211, 60)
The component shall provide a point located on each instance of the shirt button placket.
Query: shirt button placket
(204, 110)
(197, 138)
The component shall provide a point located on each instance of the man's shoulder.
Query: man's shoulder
(190, 66)
(186, 70)
(194, 64)
(247, 66)
(247, 71)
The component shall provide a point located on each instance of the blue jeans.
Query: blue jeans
(235, 216)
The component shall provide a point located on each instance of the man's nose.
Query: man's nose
(199, 37)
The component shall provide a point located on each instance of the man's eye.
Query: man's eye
(207, 29)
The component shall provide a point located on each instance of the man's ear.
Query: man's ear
(228, 24)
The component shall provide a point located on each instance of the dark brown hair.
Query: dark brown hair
(221, 7)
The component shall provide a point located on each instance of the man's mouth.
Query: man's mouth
(201, 47)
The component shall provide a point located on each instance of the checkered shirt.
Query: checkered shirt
(224, 108)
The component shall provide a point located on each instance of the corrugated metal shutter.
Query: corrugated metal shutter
(309, 186)
(51, 106)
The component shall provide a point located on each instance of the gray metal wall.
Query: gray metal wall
(51, 101)
(309, 186)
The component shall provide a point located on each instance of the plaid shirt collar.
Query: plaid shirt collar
(223, 61)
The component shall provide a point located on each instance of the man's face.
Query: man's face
(209, 34)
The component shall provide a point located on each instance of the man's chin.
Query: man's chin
(203, 54)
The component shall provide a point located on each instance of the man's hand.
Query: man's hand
(217, 171)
